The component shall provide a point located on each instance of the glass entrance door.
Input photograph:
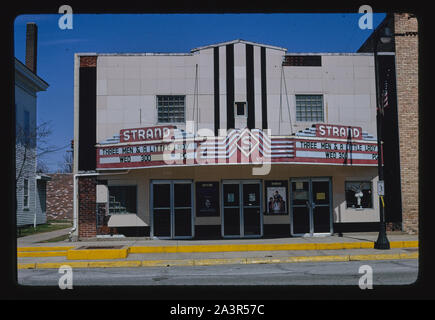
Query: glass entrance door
(241, 205)
(311, 211)
(172, 210)
(321, 207)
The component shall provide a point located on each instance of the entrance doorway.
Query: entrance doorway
(242, 209)
(310, 207)
(171, 209)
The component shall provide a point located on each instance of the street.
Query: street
(391, 272)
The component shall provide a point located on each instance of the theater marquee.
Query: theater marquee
(169, 146)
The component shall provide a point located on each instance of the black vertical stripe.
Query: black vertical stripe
(216, 90)
(263, 88)
(230, 85)
(87, 118)
(250, 85)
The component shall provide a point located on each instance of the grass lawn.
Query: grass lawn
(51, 225)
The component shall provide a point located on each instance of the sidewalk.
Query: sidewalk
(38, 237)
(140, 252)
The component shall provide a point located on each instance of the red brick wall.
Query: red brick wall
(406, 42)
(60, 191)
(87, 206)
(88, 61)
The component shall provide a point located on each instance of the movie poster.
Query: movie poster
(276, 197)
(207, 199)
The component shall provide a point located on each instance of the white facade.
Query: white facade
(27, 84)
(127, 91)
(127, 86)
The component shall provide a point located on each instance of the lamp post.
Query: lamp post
(382, 241)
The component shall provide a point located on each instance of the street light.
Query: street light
(382, 241)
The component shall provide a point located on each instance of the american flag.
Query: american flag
(385, 96)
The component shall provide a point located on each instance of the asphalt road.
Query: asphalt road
(391, 272)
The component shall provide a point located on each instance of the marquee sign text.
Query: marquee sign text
(160, 148)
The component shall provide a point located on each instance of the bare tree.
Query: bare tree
(33, 144)
(67, 165)
(41, 167)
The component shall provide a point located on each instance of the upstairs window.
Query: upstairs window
(171, 109)
(241, 109)
(26, 124)
(309, 108)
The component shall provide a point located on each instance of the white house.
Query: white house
(30, 187)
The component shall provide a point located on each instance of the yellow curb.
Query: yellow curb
(212, 248)
(231, 248)
(32, 249)
(249, 247)
(206, 262)
(358, 257)
(211, 262)
(113, 264)
(404, 244)
(166, 263)
(257, 260)
(413, 255)
(26, 266)
(316, 259)
(238, 247)
(266, 247)
(43, 254)
(100, 254)
(57, 265)
(97, 254)
(346, 245)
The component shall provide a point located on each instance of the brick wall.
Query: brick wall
(31, 46)
(88, 61)
(406, 42)
(87, 206)
(60, 191)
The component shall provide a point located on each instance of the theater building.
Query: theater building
(229, 140)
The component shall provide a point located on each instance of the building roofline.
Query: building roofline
(43, 177)
(79, 54)
(135, 54)
(238, 41)
(330, 53)
(24, 70)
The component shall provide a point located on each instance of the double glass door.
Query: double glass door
(311, 212)
(172, 210)
(241, 206)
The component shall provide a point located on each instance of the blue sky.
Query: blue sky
(111, 33)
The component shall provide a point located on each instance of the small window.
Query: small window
(309, 108)
(26, 193)
(302, 61)
(122, 199)
(170, 109)
(358, 194)
(26, 124)
(241, 109)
